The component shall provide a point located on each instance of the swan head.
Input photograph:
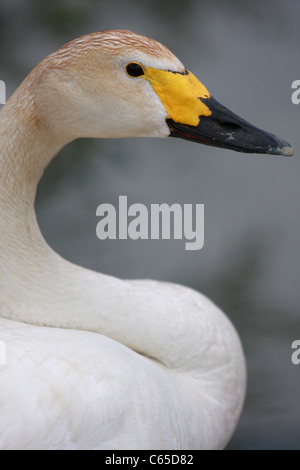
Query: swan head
(116, 84)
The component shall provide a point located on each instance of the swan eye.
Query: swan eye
(134, 70)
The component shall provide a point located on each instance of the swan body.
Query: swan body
(70, 389)
(92, 361)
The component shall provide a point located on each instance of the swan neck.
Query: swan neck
(26, 149)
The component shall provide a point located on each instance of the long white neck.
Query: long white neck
(177, 327)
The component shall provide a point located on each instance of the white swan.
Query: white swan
(94, 362)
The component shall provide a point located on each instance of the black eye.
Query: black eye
(134, 70)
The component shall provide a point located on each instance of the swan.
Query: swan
(92, 361)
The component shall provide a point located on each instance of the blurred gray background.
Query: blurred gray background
(247, 54)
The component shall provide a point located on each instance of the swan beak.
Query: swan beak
(226, 130)
(193, 114)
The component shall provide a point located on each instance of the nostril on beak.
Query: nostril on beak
(227, 125)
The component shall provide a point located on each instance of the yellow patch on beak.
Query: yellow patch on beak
(180, 95)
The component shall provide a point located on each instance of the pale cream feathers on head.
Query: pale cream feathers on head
(112, 43)
(115, 42)
(86, 79)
